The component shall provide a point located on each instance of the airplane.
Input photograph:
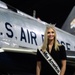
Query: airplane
(21, 35)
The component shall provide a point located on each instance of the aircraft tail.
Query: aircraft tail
(69, 24)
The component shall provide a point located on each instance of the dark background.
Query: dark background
(51, 11)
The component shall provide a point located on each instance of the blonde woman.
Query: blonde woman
(56, 50)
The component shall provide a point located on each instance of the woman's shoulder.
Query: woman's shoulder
(62, 47)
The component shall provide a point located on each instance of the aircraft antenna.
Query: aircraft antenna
(34, 13)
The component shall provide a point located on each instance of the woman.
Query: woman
(56, 50)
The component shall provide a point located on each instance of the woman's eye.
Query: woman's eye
(52, 32)
(49, 32)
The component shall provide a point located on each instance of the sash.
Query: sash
(51, 61)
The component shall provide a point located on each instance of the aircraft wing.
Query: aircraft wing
(19, 50)
(71, 57)
(70, 54)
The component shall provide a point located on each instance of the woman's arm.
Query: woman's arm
(63, 68)
(38, 68)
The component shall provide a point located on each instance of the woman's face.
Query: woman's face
(50, 34)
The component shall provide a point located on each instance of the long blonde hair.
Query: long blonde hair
(45, 42)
